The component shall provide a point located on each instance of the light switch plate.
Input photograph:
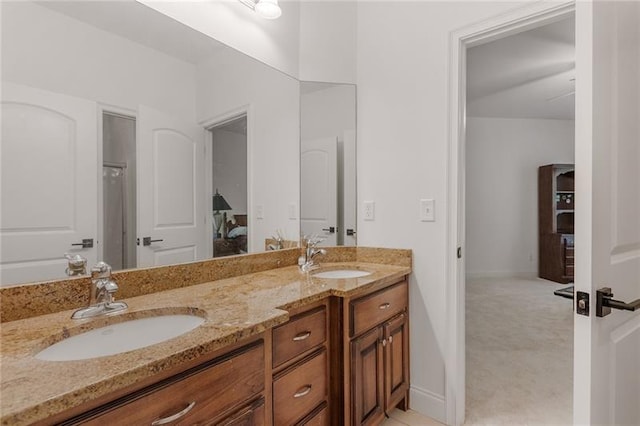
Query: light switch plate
(427, 210)
(369, 210)
(259, 212)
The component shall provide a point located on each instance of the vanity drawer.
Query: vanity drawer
(319, 417)
(374, 309)
(300, 390)
(300, 334)
(210, 390)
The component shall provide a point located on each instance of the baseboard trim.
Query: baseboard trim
(428, 403)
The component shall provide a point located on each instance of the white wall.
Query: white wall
(402, 157)
(503, 156)
(51, 51)
(274, 42)
(328, 41)
(231, 81)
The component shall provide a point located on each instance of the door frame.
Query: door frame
(208, 124)
(512, 22)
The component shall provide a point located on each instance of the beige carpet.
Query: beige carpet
(519, 340)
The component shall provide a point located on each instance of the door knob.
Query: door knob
(605, 302)
(86, 243)
(146, 241)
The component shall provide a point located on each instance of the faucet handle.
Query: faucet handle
(101, 270)
(313, 240)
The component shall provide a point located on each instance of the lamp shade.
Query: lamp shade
(268, 9)
(219, 203)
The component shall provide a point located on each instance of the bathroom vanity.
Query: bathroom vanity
(277, 347)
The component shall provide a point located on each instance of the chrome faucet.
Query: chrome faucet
(103, 288)
(306, 262)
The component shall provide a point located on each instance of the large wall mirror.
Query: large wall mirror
(328, 162)
(131, 138)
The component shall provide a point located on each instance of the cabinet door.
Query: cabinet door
(367, 378)
(396, 360)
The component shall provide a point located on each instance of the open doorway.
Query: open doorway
(229, 195)
(519, 335)
(119, 190)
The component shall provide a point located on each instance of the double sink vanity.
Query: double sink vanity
(261, 343)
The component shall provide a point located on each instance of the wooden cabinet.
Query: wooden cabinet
(375, 355)
(337, 361)
(301, 368)
(396, 362)
(556, 200)
(368, 378)
(225, 390)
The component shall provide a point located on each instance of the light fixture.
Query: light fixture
(267, 9)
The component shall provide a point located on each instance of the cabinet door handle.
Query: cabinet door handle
(301, 336)
(176, 416)
(390, 339)
(302, 391)
(384, 305)
(384, 342)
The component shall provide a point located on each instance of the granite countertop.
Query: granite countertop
(233, 308)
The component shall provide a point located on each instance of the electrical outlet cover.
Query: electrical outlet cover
(369, 210)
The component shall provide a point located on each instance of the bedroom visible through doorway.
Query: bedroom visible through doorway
(519, 335)
(229, 193)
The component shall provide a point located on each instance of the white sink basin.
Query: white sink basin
(121, 337)
(342, 273)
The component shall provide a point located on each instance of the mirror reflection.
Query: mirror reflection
(119, 125)
(328, 162)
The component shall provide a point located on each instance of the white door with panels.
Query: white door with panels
(171, 190)
(319, 183)
(49, 172)
(607, 331)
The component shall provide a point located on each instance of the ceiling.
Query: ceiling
(526, 75)
(140, 24)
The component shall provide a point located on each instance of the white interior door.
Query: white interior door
(319, 194)
(171, 190)
(49, 171)
(607, 349)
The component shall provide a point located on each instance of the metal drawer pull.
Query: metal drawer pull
(384, 305)
(176, 416)
(301, 336)
(303, 391)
